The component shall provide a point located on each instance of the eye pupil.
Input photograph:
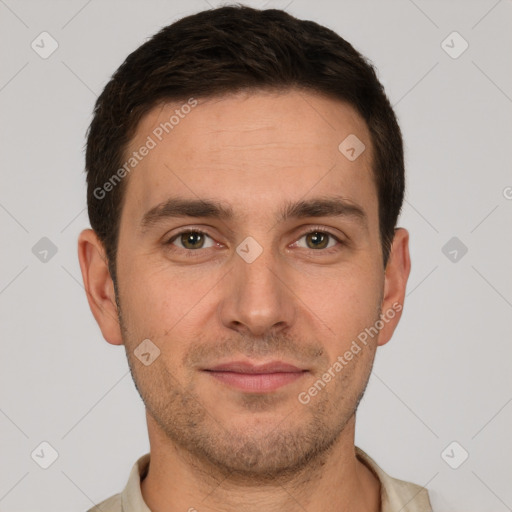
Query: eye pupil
(318, 239)
(191, 237)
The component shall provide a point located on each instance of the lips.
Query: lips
(246, 367)
(259, 378)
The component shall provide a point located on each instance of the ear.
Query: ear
(395, 281)
(99, 286)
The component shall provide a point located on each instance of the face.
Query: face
(249, 254)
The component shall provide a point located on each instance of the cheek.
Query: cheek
(145, 299)
(161, 302)
(347, 306)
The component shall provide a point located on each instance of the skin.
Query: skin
(214, 447)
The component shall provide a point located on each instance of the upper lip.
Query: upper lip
(247, 367)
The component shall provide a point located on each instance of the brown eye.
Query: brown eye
(190, 240)
(317, 240)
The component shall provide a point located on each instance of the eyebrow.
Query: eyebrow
(331, 206)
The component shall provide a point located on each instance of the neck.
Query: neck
(339, 481)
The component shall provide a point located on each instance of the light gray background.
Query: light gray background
(444, 377)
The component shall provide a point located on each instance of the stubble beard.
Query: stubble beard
(256, 454)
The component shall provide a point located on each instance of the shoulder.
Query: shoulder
(112, 504)
(130, 499)
(408, 496)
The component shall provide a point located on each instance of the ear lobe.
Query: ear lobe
(99, 286)
(397, 273)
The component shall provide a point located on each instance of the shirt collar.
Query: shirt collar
(396, 495)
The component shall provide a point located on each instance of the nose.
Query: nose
(258, 300)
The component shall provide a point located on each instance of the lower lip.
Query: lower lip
(256, 382)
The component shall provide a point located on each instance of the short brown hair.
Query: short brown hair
(223, 51)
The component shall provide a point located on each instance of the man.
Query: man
(245, 175)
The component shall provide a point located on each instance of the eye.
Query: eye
(318, 239)
(193, 239)
(190, 240)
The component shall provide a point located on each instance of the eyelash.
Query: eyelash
(191, 253)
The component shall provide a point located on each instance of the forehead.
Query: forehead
(250, 150)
